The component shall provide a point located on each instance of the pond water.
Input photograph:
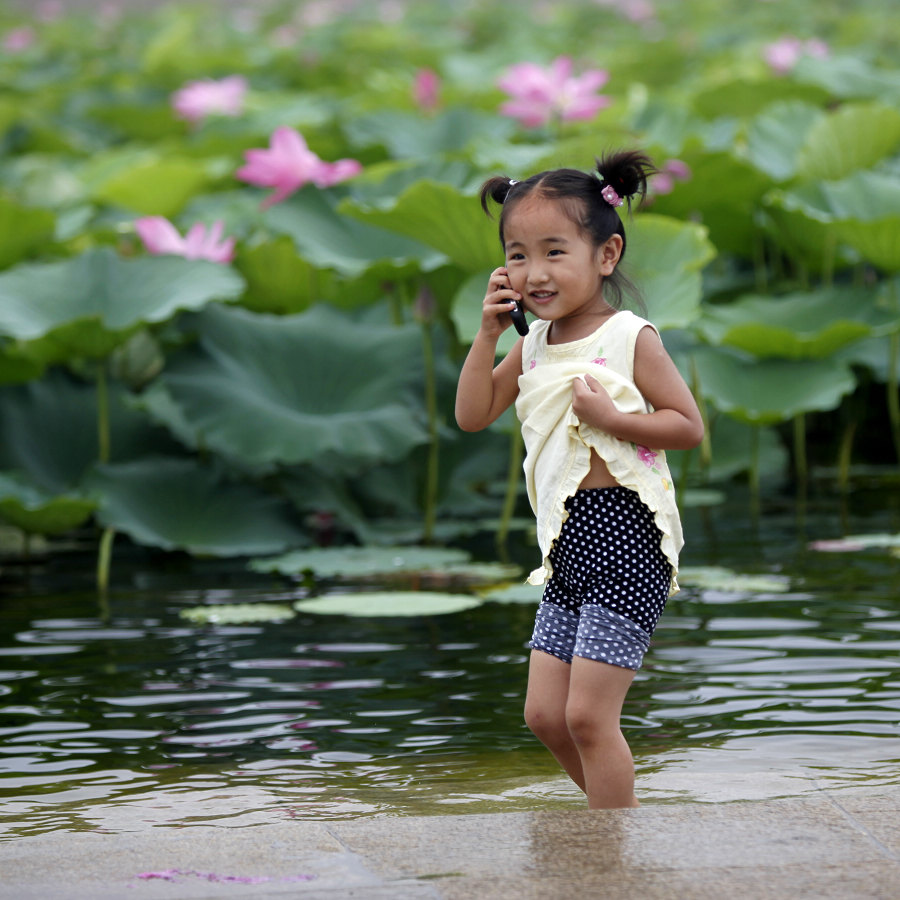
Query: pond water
(123, 716)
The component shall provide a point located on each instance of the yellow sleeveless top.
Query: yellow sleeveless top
(558, 445)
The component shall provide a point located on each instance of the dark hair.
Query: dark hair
(581, 193)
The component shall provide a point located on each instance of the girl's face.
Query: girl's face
(557, 270)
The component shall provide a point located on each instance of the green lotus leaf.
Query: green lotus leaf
(876, 242)
(88, 305)
(776, 137)
(48, 431)
(154, 187)
(17, 363)
(722, 195)
(404, 604)
(466, 312)
(237, 613)
(748, 96)
(804, 236)
(23, 230)
(278, 280)
(735, 448)
(440, 216)
(35, 511)
(361, 562)
(138, 118)
(808, 325)
(481, 572)
(855, 136)
(380, 183)
(410, 135)
(766, 393)
(725, 580)
(515, 593)
(177, 504)
(849, 75)
(266, 390)
(665, 257)
(329, 240)
(873, 354)
(861, 211)
(853, 543)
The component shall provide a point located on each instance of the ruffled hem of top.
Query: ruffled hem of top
(624, 475)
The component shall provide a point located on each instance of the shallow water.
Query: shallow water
(115, 718)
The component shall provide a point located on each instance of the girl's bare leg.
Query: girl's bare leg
(545, 711)
(596, 692)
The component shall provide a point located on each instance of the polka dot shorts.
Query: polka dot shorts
(610, 581)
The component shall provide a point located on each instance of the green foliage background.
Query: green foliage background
(306, 388)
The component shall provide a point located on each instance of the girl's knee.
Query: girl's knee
(547, 724)
(586, 727)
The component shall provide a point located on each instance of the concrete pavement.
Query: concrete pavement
(841, 843)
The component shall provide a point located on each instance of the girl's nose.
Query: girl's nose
(537, 275)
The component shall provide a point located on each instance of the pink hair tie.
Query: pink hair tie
(610, 196)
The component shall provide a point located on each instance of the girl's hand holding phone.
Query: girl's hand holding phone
(502, 306)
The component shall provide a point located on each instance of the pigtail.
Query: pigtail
(496, 189)
(626, 173)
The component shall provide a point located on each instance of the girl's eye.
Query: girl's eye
(514, 256)
(554, 252)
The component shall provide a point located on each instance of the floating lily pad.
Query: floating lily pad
(388, 603)
(720, 578)
(855, 542)
(481, 573)
(357, 562)
(516, 593)
(237, 613)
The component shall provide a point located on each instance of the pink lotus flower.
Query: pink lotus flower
(426, 89)
(670, 172)
(198, 100)
(49, 10)
(160, 237)
(784, 54)
(542, 94)
(288, 164)
(18, 40)
(633, 10)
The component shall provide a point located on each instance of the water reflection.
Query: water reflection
(138, 718)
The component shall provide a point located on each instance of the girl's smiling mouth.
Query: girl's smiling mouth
(542, 296)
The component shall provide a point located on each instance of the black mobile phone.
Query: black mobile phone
(518, 318)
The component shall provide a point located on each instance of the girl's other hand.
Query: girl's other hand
(592, 404)
(498, 302)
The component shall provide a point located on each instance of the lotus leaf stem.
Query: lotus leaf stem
(104, 560)
(801, 463)
(893, 385)
(103, 443)
(845, 455)
(512, 488)
(431, 472)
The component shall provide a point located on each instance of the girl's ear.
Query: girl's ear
(608, 254)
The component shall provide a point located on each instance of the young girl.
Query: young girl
(595, 391)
